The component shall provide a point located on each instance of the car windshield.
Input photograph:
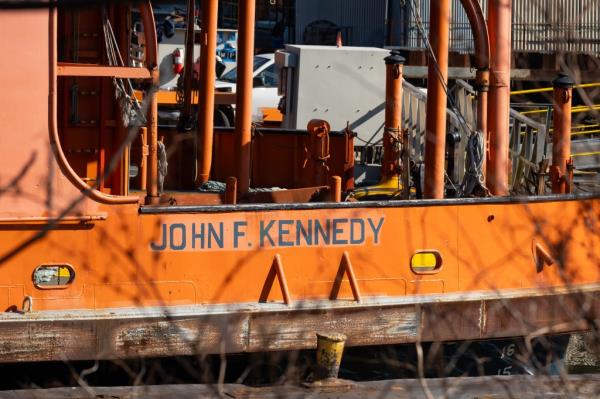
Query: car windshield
(231, 76)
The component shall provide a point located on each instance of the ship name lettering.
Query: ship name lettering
(275, 233)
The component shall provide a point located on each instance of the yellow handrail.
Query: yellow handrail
(582, 127)
(547, 89)
(585, 154)
(581, 108)
(584, 132)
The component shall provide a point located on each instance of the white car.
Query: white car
(266, 79)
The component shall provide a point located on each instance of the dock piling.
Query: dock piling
(330, 348)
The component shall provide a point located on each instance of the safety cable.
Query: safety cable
(473, 182)
(132, 109)
(436, 65)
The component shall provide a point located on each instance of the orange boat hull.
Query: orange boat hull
(152, 281)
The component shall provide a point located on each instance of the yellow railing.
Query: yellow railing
(547, 89)
(578, 109)
(584, 132)
(585, 154)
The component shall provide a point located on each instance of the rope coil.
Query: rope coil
(473, 183)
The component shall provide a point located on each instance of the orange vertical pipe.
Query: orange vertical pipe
(335, 188)
(189, 58)
(243, 117)
(231, 191)
(482, 88)
(144, 158)
(392, 136)
(479, 29)
(435, 131)
(208, 75)
(499, 21)
(152, 180)
(151, 53)
(561, 136)
(481, 39)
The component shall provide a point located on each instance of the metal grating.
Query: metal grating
(539, 26)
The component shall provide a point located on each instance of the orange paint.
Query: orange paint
(272, 116)
(225, 257)
(243, 116)
(127, 255)
(435, 131)
(392, 135)
(500, 27)
(561, 169)
(208, 75)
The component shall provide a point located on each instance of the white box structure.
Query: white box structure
(343, 86)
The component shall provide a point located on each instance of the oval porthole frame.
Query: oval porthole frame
(68, 284)
(439, 262)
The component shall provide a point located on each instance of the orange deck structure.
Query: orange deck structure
(135, 272)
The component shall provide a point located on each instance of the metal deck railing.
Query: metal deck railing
(547, 26)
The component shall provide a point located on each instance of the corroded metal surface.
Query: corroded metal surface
(111, 334)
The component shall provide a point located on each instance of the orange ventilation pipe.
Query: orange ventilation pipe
(243, 114)
(561, 171)
(392, 136)
(437, 78)
(482, 60)
(208, 75)
(435, 129)
(151, 53)
(499, 20)
(54, 137)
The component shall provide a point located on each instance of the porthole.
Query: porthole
(426, 262)
(53, 276)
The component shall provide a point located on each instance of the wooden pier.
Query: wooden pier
(582, 386)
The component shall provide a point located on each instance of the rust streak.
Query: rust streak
(482, 319)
